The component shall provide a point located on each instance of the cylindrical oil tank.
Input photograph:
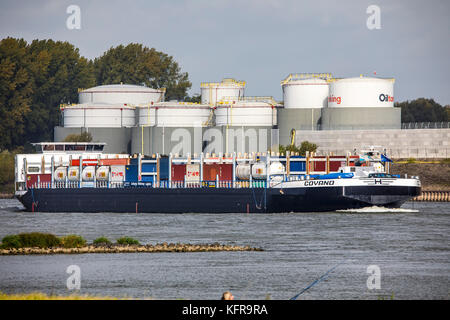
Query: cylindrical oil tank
(73, 174)
(259, 171)
(276, 168)
(246, 113)
(102, 173)
(147, 115)
(99, 116)
(60, 174)
(88, 173)
(305, 93)
(213, 92)
(120, 94)
(243, 171)
(361, 92)
(182, 114)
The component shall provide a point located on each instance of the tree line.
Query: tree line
(37, 77)
(423, 110)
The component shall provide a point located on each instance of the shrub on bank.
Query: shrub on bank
(11, 241)
(38, 239)
(127, 241)
(73, 241)
(102, 241)
(411, 160)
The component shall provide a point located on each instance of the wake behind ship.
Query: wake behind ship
(79, 177)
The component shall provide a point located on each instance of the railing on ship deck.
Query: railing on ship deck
(162, 184)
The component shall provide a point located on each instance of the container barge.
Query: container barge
(79, 177)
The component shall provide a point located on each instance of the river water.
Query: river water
(409, 245)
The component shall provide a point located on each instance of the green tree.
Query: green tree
(304, 146)
(197, 98)
(422, 110)
(58, 71)
(82, 137)
(136, 64)
(16, 89)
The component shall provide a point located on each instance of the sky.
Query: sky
(259, 41)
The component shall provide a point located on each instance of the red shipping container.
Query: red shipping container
(32, 179)
(86, 162)
(178, 172)
(320, 164)
(224, 171)
(335, 164)
(114, 162)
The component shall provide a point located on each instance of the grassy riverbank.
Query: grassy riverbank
(434, 176)
(43, 296)
(45, 243)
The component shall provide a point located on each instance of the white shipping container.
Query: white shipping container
(117, 173)
(192, 173)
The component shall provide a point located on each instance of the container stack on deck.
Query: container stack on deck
(204, 170)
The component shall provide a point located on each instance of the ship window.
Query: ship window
(59, 147)
(80, 147)
(89, 147)
(33, 169)
(98, 147)
(49, 147)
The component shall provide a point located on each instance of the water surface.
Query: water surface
(411, 247)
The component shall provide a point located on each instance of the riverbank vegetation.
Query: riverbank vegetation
(43, 296)
(46, 243)
(433, 176)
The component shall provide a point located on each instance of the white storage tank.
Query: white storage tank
(88, 173)
(73, 173)
(60, 174)
(305, 93)
(102, 173)
(182, 114)
(361, 92)
(246, 113)
(147, 115)
(276, 168)
(212, 92)
(259, 170)
(243, 171)
(120, 94)
(99, 116)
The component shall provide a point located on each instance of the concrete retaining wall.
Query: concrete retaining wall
(414, 143)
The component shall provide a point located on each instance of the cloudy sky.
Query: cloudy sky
(260, 41)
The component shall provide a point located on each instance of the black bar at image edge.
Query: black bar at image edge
(212, 309)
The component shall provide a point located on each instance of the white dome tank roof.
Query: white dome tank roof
(120, 88)
(121, 93)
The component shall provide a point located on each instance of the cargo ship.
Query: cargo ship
(79, 177)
